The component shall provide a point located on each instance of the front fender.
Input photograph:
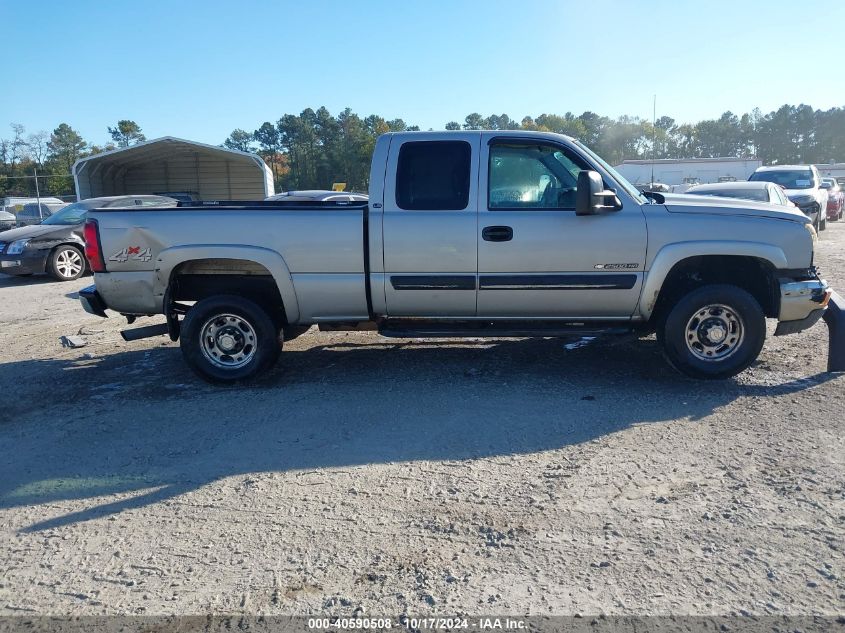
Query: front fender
(170, 258)
(668, 256)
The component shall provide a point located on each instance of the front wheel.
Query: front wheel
(713, 332)
(66, 263)
(228, 339)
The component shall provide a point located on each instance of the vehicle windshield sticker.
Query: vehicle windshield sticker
(135, 253)
(802, 183)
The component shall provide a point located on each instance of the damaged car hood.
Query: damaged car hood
(36, 230)
(713, 205)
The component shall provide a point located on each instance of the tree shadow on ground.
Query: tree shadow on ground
(139, 425)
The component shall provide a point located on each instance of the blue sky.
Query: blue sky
(200, 69)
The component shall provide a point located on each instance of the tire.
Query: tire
(228, 339)
(823, 222)
(685, 332)
(66, 263)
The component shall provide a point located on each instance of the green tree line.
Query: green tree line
(52, 155)
(315, 148)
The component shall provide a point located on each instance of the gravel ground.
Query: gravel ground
(367, 475)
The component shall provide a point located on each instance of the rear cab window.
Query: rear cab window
(433, 176)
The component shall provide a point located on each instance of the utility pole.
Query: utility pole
(653, 136)
(37, 193)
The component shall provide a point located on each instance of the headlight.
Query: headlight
(16, 247)
(812, 231)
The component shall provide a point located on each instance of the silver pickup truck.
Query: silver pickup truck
(510, 234)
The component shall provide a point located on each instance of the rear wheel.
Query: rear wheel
(823, 221)
(713, 332)
(66, 263)
(229, 338)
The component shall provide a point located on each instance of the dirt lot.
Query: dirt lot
(392, 477)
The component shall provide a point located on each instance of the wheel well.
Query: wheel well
(200, 279)
(754, 275)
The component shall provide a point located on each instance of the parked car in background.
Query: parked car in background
(56, 246)
(13, 204)
(319, 195)
(7, 221)
(32, 214)
(835, 198)
(658, 187)
(802, 185)
(760, 191)
(181, 196)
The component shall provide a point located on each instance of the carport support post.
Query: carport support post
(834, 316)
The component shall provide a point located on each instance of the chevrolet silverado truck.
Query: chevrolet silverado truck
(473, 233)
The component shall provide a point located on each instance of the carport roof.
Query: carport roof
(174, 164)
(159, 148)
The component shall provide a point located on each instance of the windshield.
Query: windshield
(627, 186)
(744, 194)
(71, 214)
(788, 178)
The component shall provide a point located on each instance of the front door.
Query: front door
(429, 226)
(536, 258)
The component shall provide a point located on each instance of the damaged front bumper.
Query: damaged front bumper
(802, 304)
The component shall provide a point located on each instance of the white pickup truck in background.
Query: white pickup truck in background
(465, 234)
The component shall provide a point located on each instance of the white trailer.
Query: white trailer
(834, 170)
(670, 171)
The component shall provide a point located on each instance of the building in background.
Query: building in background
(174, 167)
(834, 170)
(689, 171)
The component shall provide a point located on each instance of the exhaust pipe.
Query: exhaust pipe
(147, 331)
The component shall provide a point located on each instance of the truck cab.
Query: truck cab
(484, 225)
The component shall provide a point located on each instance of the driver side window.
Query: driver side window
(532, 176)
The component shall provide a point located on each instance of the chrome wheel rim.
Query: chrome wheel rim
(714, 332)
(69, 263)
(228, 341)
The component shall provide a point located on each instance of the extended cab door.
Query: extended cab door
(536, 258)
(430, 225)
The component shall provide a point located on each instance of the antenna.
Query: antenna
(653, 136)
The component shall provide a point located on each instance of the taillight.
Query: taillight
(93, 250)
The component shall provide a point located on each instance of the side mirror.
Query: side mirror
(591, 197)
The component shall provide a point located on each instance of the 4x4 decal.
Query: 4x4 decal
(135, 253)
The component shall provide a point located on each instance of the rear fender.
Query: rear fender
(170, 258)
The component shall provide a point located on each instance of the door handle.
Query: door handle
(497, 234)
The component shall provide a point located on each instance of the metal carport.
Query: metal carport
(170, 164)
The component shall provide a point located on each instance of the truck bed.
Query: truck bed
(316, 248)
